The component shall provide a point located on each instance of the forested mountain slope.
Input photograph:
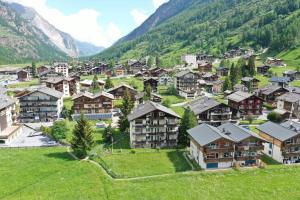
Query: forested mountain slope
(214, 26)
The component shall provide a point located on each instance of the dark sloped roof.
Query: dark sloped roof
(269, 89)
(93, 96)
(122, 85)
(248, 79)
(203, 104)
(182, 73)
(277, 131)
(205, 134)
(280, 79)
(290, 97)
(46, 90)
(239, 96)
(148, 107)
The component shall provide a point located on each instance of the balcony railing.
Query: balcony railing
(216, 150)
(213, 160)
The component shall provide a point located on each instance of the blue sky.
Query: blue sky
(101, 22)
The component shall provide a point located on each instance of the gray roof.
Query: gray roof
(289, 97)
(248, 79)
(294, 126)
(239, 96)
(148, 107)
(205, 134)
(48, 91)
(203, 104)
(122, 85)
(277, 131)
(6, 101)
(93, 96)
(293, 89)
(237, 133)
(280, 79)
(267, 90)
(182, 73)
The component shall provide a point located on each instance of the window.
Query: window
(270, 152)
(270, 145)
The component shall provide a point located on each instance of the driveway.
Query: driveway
(31, 138)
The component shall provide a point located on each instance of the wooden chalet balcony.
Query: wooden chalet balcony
(250, 148)
(243, 158)
(217, 150)
(214, 160)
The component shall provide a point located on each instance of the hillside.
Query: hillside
(214, 26)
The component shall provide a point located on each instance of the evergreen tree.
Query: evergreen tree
(233, 75)
(111, 64)
(222, 63)
(83, 140)
(108, 83)
(148, 92)
(245, 71)
(157, 61)
(126, 108)
(34, 69)
(108, 133)
(95, 85)
(188, 121)
(226, 85)
(251, 66)
(150, 61)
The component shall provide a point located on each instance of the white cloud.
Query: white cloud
(158, 3)
(138, 16)
(82, 25)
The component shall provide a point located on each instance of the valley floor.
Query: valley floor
(51, 173)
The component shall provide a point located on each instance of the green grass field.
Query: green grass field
(25, 84)
(50, 173)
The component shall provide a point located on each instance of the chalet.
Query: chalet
(68, 86)
(42, 69)
(222, 71)
(249, 104)
(225, 146)
(157, 72)
(240, 87)
(283, 141)
(263, 69)
(93, 106)
(119, 91)
(213, 112)
(120, 70)
(186, 83)
(153, 82)
(280, 81)
(293, 89)
(209, 77)
(204, 67)
(153, 126)
(205, 57)
(41, 105)
(270, 93)
(275, 62)
(189, 60)
(293, 75)
(250, 82)
(136, 66)
(49, 74)
(62, 68)
(139, 98)
(233, 53)
(289, 102)
(23, 75)
(8, 131)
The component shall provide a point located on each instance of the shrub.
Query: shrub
(274, 117)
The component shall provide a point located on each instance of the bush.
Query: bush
(167, 103)
(132, 151)
(274, 117)
(171, 90)
(59, 130)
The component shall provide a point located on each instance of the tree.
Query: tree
(108, 133)
(222, 63)
(59, 130)
(167, 102)
(148, 92)
(95, 85)
(172, 90)
(157, 61)
(188, 121)
(111, 64)
(274, 117)
(233, 75)
(251, 66)
(83, 140)
(126, 108)
(150, 61)
(34, 69)
(65, 113)
(226, 85)
(108, 83)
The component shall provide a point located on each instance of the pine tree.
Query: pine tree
(108, 83)
(222, 63)
(108, 133)
(83, 140)
(233, 75)
(150, 62)
(34, 69)
(126, 108)
(95, 85)
(226, 85)
(157, 61)
(188, 121)
(251, 66)
(148, 93)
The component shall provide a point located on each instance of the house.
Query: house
(275, 62)
(165, 79)
(209, 77)
(293, 75)
(31, 70)
(136, 66)
(153, 126)
(270, 93)
(212, 112)
(119, 91)
(157, 72)
(42, 69)
(224, 146)
(62, 68)
(49, 74)
(289, 102)
(240, 87)
(250, 82)
(280, 81)
(139, 98)
(263, 69)
(153, 82)
(233, 53)
(249, 104)
(68, 86)
(283, 141)
(205, 57)
(186, 83)
(8, 130)
(93, 106)
(120, 70)
(214, 87)
(41, 105)
(293, 89)
(189, 60)
(222, 71)
(23, 75)
(204, 66)
(86, 85)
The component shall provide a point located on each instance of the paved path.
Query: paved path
(179, 104)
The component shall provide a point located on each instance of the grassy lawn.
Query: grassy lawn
(179, 110)
(256, 122)
(127, 165)
(50, 173)
(32, 82)
(132, 81)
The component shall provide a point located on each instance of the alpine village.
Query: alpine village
(201, 101)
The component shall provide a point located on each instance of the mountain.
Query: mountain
(21, 41)
(61, 40)
(212, 26)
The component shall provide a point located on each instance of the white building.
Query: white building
(62, 68)
(190, 60)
